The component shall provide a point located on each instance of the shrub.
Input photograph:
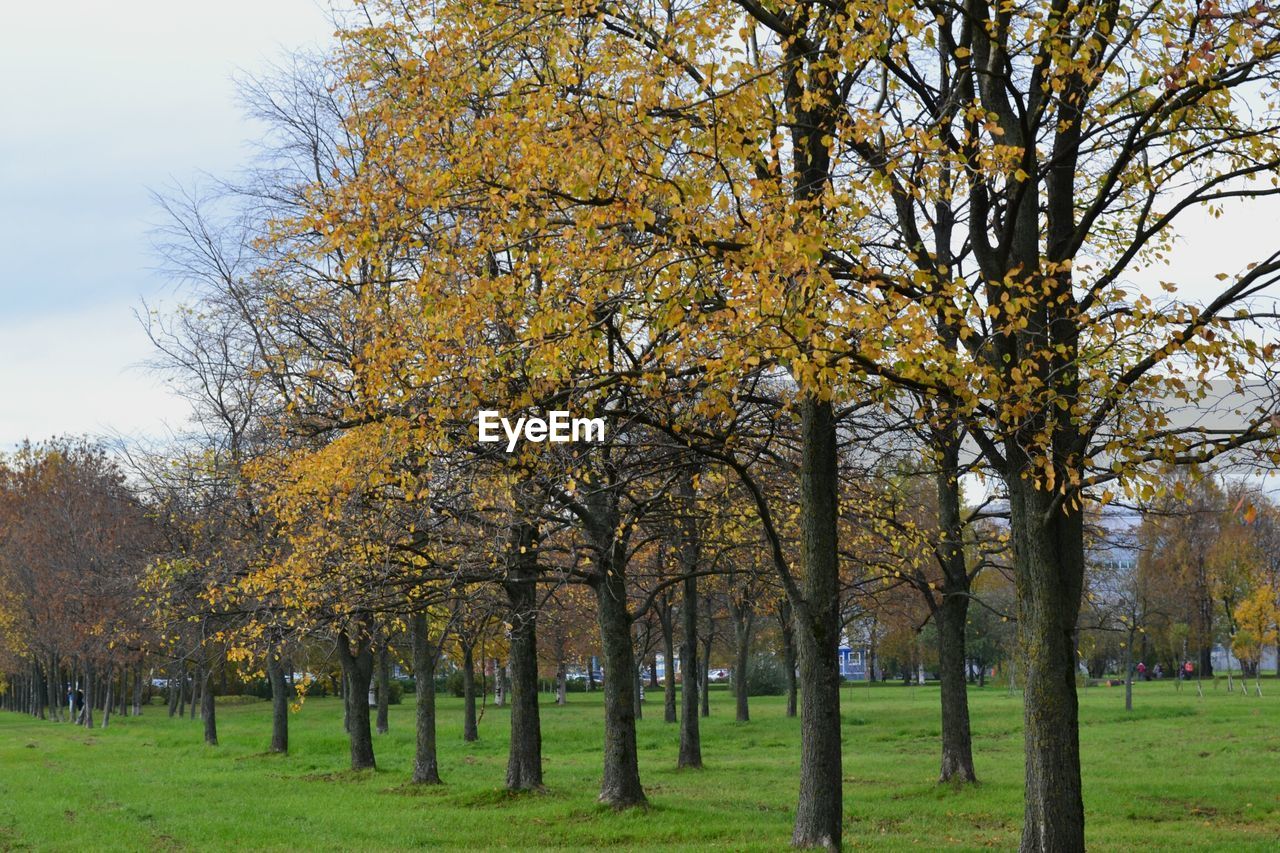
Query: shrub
(395, 692)
(453, 683)
(766, 675)
(238, 699)
(259, 687)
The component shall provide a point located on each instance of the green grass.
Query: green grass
(1178, 772)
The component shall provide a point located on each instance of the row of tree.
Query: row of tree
(813, 265)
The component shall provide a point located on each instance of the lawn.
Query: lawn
(1179, 771)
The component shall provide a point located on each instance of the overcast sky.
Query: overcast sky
(101, 102)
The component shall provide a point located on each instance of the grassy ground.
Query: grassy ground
(1179, 771)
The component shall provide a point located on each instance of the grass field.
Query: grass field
(1178, 772)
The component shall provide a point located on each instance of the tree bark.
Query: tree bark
(51, 684)
(346, 703)
(621, 785)
(426, 767)
(208, 709)
(524, 757)
(637, 693)
(279, 703)
(175, 690)
(819, 810)
(356, 656)
(1128, 672)
(1048, 549)
(957, 740)
(88, 695)
(708, 637)
(789, 654)
(106, 702)
(39, 690)
(743, 621)
(669, 664)
(690, 736)
(470, 732)
(562, 680)
(952, 615)
(384, 688)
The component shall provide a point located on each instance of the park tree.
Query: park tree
(74, 547)
(951, 200)
(1061, 145)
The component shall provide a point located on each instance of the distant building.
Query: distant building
(853, 663)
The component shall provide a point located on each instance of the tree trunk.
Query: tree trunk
(426, 767)
(346, 703)
(621, 785)
(957, 741)
(357, 668)
(743, 620)
(708, 637)
(788, 654)
(107, 700)
(384, 688)
(39, 690)
(1048, 550)
(637, 694)
(690, 737)
(470, 732)
(871, 649)
(197, 684)
(1128, 672)
(51, 685)
(207, 708)
(668, 668)
(88, 695)
(819, 810)
(524, 757)
(279, 703)
(1204, 606)
(175, 691)
(182, 694)
(952, 616)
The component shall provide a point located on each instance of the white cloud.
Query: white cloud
(102, 101)
(80, 372)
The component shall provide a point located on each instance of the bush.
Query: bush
(238, 699)
(453, 683)
(766, 675)
(407, 685)
(395, 692)
(259, 687)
